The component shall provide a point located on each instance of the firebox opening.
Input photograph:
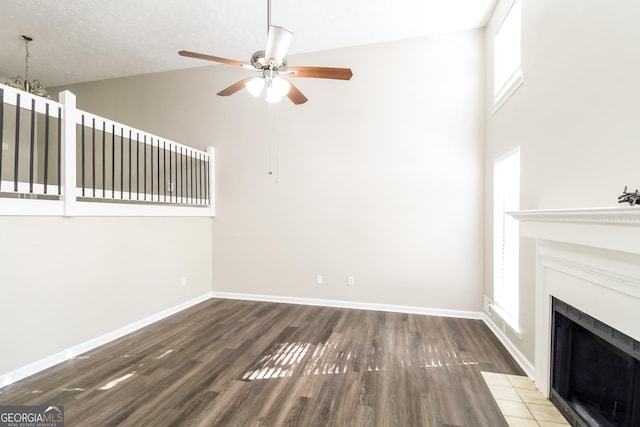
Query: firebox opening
(594, 380)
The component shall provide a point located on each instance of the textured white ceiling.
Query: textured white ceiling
(86, 40)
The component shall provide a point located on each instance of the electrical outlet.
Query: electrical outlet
(350, 280)
(170, 187)
(5, 146)
(183, 281)
(488, 305)
(319, 279)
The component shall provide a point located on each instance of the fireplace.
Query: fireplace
(587, 309)
(595, 370)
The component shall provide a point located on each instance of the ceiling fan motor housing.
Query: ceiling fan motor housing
(260, 63)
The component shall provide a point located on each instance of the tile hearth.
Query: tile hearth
(521, 403)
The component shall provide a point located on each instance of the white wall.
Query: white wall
(380, 177)
(575, 117)
(65, 281)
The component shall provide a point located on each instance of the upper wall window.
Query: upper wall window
(507, 72)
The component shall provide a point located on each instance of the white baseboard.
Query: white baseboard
(524, 363)
(352, 304)
(47, 362)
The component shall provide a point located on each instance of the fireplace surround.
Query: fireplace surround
(590, 260)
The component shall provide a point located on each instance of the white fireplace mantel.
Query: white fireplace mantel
(616, 228)
(589, 258)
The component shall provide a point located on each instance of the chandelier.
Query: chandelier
(34, 87)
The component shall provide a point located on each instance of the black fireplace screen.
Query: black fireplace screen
(595, 373)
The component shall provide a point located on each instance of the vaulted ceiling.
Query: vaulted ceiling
(86, 40)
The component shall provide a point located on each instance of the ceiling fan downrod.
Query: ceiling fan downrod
(268, 15)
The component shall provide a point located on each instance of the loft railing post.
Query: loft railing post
(68, 101)
(212, 180)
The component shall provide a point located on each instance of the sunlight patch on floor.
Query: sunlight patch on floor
(331, 358)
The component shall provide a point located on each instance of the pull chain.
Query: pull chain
(273, 146)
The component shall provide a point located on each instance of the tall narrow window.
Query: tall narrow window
(506, 238)
(507, 72)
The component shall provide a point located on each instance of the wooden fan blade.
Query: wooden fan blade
(322, 72)
(234, 87)
(212, 58)
(296, 96)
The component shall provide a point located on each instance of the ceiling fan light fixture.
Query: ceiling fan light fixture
(255, 86)
(272, 97)
(280, 86)
(277, 88)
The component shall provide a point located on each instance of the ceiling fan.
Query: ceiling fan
(272, 66)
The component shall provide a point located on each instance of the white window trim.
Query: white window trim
(514, 82)
(516, 79)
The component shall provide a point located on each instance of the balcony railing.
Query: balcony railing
(109, 168)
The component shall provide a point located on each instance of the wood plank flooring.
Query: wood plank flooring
(245, 363)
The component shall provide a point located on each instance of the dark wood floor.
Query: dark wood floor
(243, 363)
